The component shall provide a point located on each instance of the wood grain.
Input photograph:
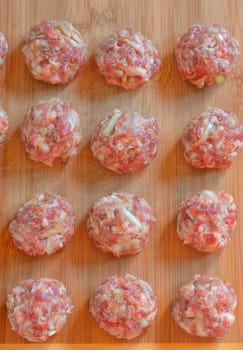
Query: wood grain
(165, 263)
(147, 346)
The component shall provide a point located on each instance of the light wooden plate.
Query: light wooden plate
(165, 262)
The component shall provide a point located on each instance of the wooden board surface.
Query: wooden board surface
(122, 346)
(165, 263)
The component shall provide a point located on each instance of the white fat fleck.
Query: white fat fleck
(52, 332)
(132, 245)
(37, 113)
(74, 42)
(73, 119)
(211, 195)
(65, 28)
(54, 63)
(51, 325)
(41, 197)
(123, 307)
(207, 130)
(118, 72)
(228, 316)
(144, 229)
(215, 110)
(45, 222)
(138, 47)
(223, 62)
(75, 38)
(3, 114)
(115, 198)
(52, 244)
(224, 209)
(42, 42)
(136, 71)
(112, 122)
(187, 290)
(37, 69)
(44, 148)
(189, 213)
(144, 322)
(62, 215)
(131, 218)
(51, 232)
(146, 288)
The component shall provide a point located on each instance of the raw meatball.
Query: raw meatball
(4, 124)
(127, 59)
(3, 49)
(206, 54)
(125, 141)
(205, 307)
(51, 132)
(206, 220)
(120, 223)
(43, 225)
(212, 139)
(124, 306)
(54, 52)
(38, 309)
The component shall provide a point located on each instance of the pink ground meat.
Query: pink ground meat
(4, 124)
(127, 59)
(206, 220)
(3, 49)
(54, 51)
(43, 225)
(124, 306)
(120, 223)
(212, 139)
(38, 309)
(205, 307)
(51, 132)
(125, 141)
(206, 54)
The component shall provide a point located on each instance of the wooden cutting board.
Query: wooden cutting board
(165, 262)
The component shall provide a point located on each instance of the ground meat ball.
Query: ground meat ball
(205, 54)
(205, 307)
(127, 59)
(120, 223)
(51, 132)
(38, 309)
(125, 141)
(43, 225)
(4, 124)
(3, 49)
(212, 139)
(124, 306)
(54, 52)
(206, 220)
